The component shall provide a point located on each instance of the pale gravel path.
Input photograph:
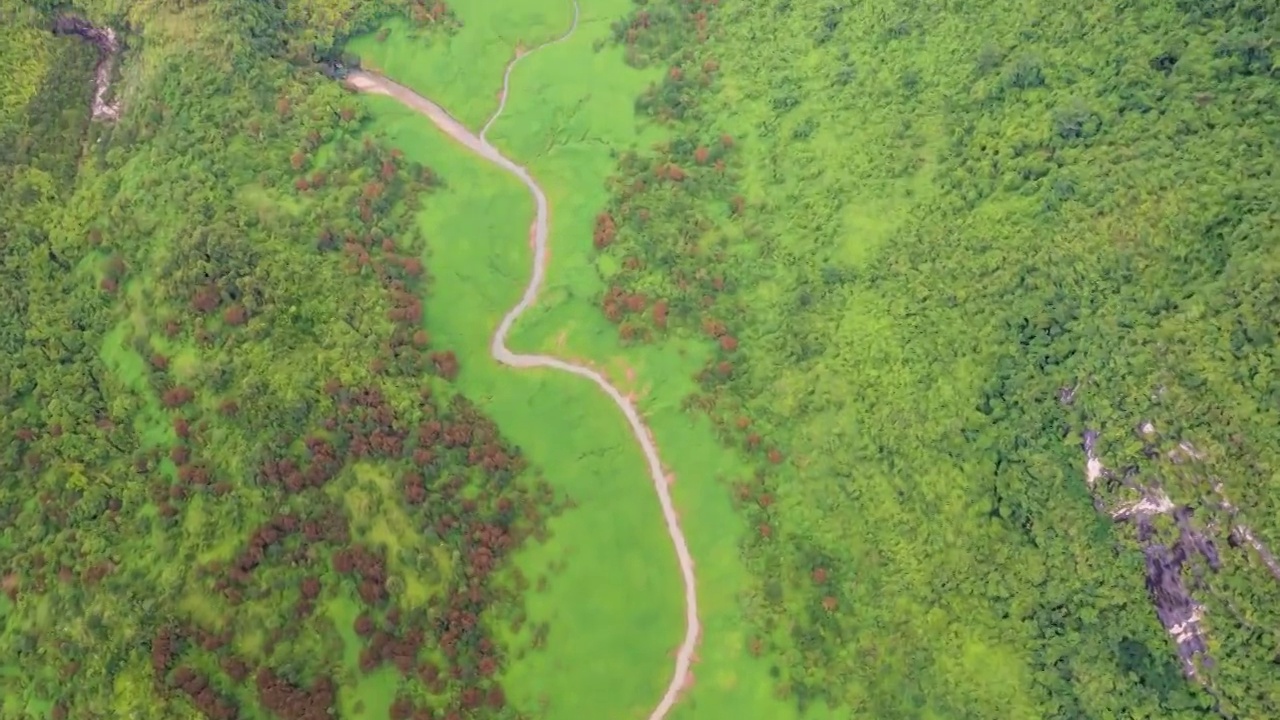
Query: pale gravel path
(372, 83)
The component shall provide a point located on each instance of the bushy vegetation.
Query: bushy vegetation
(926, 244)
(907, 229)
(238, 482)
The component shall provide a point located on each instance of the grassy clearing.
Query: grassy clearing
(454, 68)
(615, 607)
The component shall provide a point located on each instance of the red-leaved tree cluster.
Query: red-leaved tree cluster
(484, 521)
(214, 705)
(459, 483)
(288, 701)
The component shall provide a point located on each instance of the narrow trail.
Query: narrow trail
(364, 81)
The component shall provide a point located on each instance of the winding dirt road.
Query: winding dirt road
(371, 83)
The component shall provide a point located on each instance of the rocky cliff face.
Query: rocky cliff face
(108, 49)
(1169, 554)
(1179, 540)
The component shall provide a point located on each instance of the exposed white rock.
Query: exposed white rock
(1155, 503)
(104, 39)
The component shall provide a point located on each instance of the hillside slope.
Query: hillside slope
(223, 412)
(935, 243)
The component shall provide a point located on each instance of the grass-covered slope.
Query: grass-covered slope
(906, 227)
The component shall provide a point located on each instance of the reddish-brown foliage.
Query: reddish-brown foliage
(364, 626)
(235, 315)
(310, 588)
(605, 230)
(177, 396)
(446, 364)
(415, 493)
(495, 698)
(635, 302)
(235, 668)
(211, 704)
(162, 646)
(659, 313)
(206, 299)
(290, 702)
(401, 709)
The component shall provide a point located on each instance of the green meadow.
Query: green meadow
(614, 600)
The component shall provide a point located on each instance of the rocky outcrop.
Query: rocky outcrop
(104, 39)
(1241, 534)
(1177, 554)
(1165, 560)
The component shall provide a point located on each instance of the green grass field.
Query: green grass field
(615, 603)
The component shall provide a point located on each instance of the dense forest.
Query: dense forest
(989, 290)
(992, 289)
(238, 482)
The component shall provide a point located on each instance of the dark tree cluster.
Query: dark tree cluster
(204, 697)
(369, 566)
(322, 465)
(288, 701)
(681, 178)
(656, 31)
